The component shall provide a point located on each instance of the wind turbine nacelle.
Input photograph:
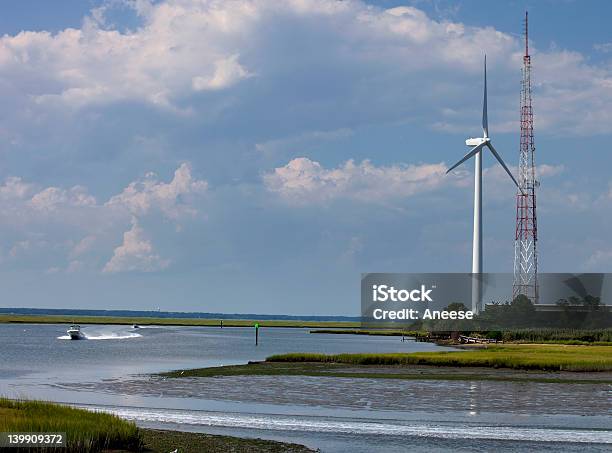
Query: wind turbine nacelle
(471, 142)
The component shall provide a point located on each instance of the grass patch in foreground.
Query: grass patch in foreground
(90, 432)
(85, 431)
(517, 356)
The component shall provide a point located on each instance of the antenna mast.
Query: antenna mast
(526, 234)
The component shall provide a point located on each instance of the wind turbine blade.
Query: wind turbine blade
(485, 119)
(473, 151)
(499, 159)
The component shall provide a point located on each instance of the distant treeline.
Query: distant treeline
(568, 336)
(168, 314)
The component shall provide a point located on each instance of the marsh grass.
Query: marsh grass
(341, 370)
(89, 432)
(559, 336)
(517, 356)
(85, 431)
(381, 332)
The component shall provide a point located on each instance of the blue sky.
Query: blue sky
(257, 156)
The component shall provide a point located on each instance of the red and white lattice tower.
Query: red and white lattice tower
(525, 251)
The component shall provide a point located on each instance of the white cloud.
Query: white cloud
(15, 188)
(170, 198)
(52, 197)
(545, 170)
(174, 200)
(306, 181)
(227, 72)
(187, 46)
(44, 222)
(179, 44)
(83, 246)
(136, 253)
(497, 173)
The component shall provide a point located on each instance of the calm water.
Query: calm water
(109, 372)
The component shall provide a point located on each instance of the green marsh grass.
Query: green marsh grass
(560, 336)
(85, 431)
(548, 357)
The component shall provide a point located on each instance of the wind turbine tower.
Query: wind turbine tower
(476, 146)
(526, 234)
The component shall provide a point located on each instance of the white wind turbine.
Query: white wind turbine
(477, 145)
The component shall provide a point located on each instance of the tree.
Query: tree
(591, 302)
(522, 311)
(456, 306)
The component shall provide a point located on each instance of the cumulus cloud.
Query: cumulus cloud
(185, 47)
(303, 180)
(52, 197)
(136, 253)
(496, 172)
(15, 188)
(70, 226)
(347, 68)
(227, 72)
(173, 198)
(178, 43)
(28, 208)
(545, 170)
(83, 246)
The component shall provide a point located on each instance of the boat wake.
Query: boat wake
(112, 336)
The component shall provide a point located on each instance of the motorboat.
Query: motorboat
(135, 326)
(75, 332)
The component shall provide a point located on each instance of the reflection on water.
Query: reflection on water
(334, 414)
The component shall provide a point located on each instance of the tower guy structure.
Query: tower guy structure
(526, 234)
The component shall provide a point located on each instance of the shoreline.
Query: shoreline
(146, 321)
(191, 442)
(516, 362)
(539, 357)
(420, 372)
